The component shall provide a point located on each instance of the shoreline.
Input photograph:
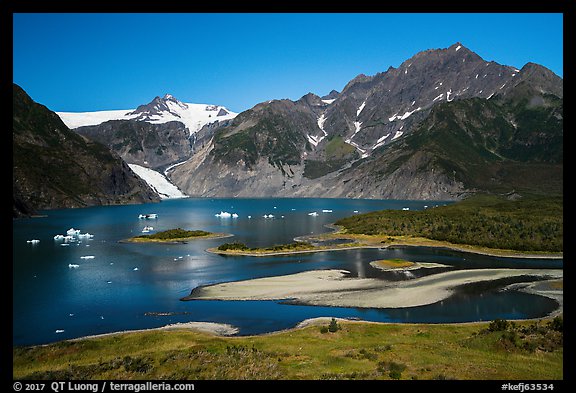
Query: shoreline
(218, 329)
(372, 241)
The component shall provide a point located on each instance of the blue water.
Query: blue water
(52, 301)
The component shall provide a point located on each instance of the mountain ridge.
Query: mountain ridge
(327, 142)
(54, 167)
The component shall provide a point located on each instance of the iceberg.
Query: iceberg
(73, 266)
(72, 232)
(224, 215)
(313, 214)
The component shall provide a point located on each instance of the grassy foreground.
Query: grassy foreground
(524, 350)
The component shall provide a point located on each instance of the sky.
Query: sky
(78, 62)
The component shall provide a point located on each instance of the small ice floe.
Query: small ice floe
(148, 216)
(147, 229)
(355, 211)
(65, 244)
(33, 241)
(135, 269)
(72, 232)
(101, 316)
(223, 215)
(87, 257)
(59, 331)
(71, 314)
(249, 216)
(313, 214)
(73, 266)
(59, 237)
(405, 208)
(268, 216)
(326, 210)
(234, 215)
(108, 282)
(85, 235)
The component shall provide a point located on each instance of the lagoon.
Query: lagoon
(127, 286)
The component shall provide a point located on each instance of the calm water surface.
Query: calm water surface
(123, 286)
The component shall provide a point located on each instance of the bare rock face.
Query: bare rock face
(151, 145)
(54, 167)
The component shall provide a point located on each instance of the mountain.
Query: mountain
(154, 135)
(54, 167)
(443, 124)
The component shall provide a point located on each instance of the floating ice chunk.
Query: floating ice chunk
(148, 216)
(326, 210)
(268, 216)
(72, 232)
(87, 257)
(234, 215)
(59, 237)
(86, 235)
(313, 214)
(405, 208)
(355, 211)
(59, 331)
(73, 266)
(223, 215)
(33, 241)
(249, 216)
(135, 269)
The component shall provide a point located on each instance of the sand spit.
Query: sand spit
(219, 329)
(334, 288)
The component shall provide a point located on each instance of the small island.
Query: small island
(402, 264)
(177, 235)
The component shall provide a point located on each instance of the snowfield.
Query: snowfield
(158, 182)
(194, 116)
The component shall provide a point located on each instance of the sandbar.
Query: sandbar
(219, 329)
(335, 288)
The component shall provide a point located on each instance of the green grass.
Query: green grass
(173, 235)
(356, 350)
(241, 247)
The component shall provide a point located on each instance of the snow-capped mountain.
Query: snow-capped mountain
(158, 111)
(151, 137)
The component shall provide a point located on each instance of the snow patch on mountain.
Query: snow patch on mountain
(160, 110)
(158, 182)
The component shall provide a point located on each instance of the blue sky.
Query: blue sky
(89, 61)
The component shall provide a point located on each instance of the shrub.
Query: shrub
(498, 325)
(333, 327)
(557, 324)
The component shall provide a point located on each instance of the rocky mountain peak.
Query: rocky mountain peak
(158, 107)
